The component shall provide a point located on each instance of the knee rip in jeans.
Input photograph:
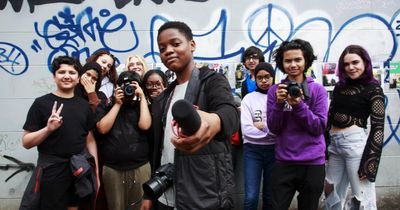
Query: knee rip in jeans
(328, 189)
(331, 198)
(353, 204)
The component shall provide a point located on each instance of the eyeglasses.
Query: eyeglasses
(153, 85)
(252, 57)
(265, 77)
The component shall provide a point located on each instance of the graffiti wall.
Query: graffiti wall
(33, 32)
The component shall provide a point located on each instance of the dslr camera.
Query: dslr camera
(162, 180)
(294, 89)
(127, 88)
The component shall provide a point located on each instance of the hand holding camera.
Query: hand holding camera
(290, 91)
(128, 87)
(128, 90)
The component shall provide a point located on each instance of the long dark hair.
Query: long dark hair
(367, 77)
(113, 76)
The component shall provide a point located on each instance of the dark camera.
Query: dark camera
(162, 180)
(294, 89)
(126, 86)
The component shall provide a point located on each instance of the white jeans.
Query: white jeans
(345, 152)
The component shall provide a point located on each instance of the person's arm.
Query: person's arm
(313, 119)
(146, 204)
(32, 139)
(90, 89)
(210, 126)
(275, 108)
(92, 149)
(221, 119)
(105, 124)
(373, 149)
(145, 117)
(249, 128)
(93, 100)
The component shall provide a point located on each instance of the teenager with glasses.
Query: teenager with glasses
(251, 57)
(259, 142)
(155, 82)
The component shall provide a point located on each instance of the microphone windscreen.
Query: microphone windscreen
(186, 116)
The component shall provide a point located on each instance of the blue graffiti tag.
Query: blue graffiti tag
(69, 34)
(393, 127)
(220, 26)
(13, 59)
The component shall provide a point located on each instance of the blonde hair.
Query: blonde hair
(141, 59)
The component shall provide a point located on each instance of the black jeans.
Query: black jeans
(308, 180)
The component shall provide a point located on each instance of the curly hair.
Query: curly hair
(296, 44)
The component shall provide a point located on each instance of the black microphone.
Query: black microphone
(186, 116)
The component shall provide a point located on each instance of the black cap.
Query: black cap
(265, 66)
(92, 65)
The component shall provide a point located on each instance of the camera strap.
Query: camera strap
(304, 86)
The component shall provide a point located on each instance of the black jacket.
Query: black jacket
(85, 183)
(203, 180)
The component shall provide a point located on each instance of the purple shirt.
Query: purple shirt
(299, 129)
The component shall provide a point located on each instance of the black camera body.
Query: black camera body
(162, 180)
(126, 86)
(294, 89)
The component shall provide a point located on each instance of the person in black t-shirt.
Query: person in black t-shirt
(60, 125)
(124, 144)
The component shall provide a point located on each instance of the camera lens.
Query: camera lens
(155, 187)
(128, 90)
(294, 91)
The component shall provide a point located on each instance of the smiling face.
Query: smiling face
(353, 65)
(66, 78)
(136, 65)
(154, 85)
(250, 62)
(294, 64)
(176, 51)
(106, 62)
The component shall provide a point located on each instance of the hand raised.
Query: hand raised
(88, 84)
(119, 95)
(55, 120)
(193, 143)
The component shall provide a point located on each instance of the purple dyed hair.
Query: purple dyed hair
(367, 77)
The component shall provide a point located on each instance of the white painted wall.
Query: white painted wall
(31, 35)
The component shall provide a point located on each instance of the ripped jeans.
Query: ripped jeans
(345, 152)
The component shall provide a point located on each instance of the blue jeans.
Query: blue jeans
(345, 153)
(258, 162)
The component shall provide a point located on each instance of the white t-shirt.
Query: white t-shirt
(107, 87)
(168, 198)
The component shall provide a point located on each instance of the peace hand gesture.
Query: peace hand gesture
(55, 120)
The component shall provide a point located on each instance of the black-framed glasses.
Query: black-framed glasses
(265, 77)
(153, 85)
(252, 57)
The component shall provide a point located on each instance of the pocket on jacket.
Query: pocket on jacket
(202, 181)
